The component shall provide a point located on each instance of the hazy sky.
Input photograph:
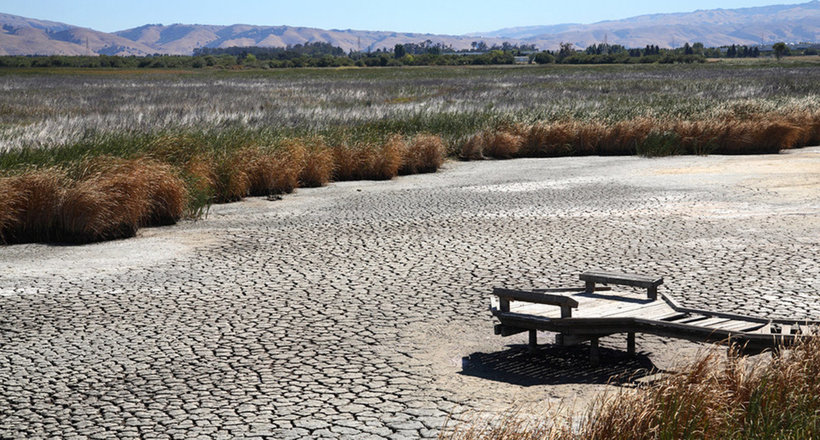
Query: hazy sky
(428, 16)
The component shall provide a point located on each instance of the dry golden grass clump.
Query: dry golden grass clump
(473, 148)
(201, 169)
(346, 162)
(107, 199)
(810, 121)
(166, 191)
(386, 159)
(499, 144)
(116, 197)
(624, 137)
(756, 136)
(8, 207)
(30, 205)
(273, 171)
(231, 179)
(502, 145)
(102, 207)
(694, 136)
(548, 140)
(714, 398)
(317, 165)
(424, 154)
(588, 137)
(368, 162)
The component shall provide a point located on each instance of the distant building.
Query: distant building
(522, 60)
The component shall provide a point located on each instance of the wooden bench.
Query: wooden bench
(650, 283)
(506, 295)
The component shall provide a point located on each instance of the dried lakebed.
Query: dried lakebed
(359, 310)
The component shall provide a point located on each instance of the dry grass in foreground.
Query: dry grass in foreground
(735, 398)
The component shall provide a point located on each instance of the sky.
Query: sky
(424, 16)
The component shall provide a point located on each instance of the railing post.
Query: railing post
(594, 353)
(630, 343)
(590, 286)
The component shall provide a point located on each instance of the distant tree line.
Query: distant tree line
(311, 50)
(423, 53)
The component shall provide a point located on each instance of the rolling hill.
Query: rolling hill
(715, 27)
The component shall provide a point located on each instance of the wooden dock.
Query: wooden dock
(588, 313)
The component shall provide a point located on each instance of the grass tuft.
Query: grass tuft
(318, 165)
(365, 161)
(102, 199)
(424, 154)
(33, 200)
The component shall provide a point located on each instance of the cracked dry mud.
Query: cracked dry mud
(360, 310)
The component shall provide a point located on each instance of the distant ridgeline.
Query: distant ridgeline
(413, 54)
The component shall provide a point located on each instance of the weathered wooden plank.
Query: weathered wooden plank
(741, 326)
(642, 311)
(624, 279)
(711, 322)
(619, 297)
(675, 305)
(535, 297)
(533, 308)
(671, 316)
(570, 289)
(545, 310)
(604, 307)
(610, 309)
(505, 330)
(567, 325)
(705, 334)
(690, 319)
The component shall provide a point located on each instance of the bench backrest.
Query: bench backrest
(506, 295)
(650, 283)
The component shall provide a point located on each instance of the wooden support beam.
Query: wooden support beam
(652, 292)
(590, 287)
(630, 343)
(504, 304)
(533, 344)
(594, 353)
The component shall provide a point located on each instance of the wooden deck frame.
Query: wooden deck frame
(752, 334)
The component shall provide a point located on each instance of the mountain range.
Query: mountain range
(714, 27)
